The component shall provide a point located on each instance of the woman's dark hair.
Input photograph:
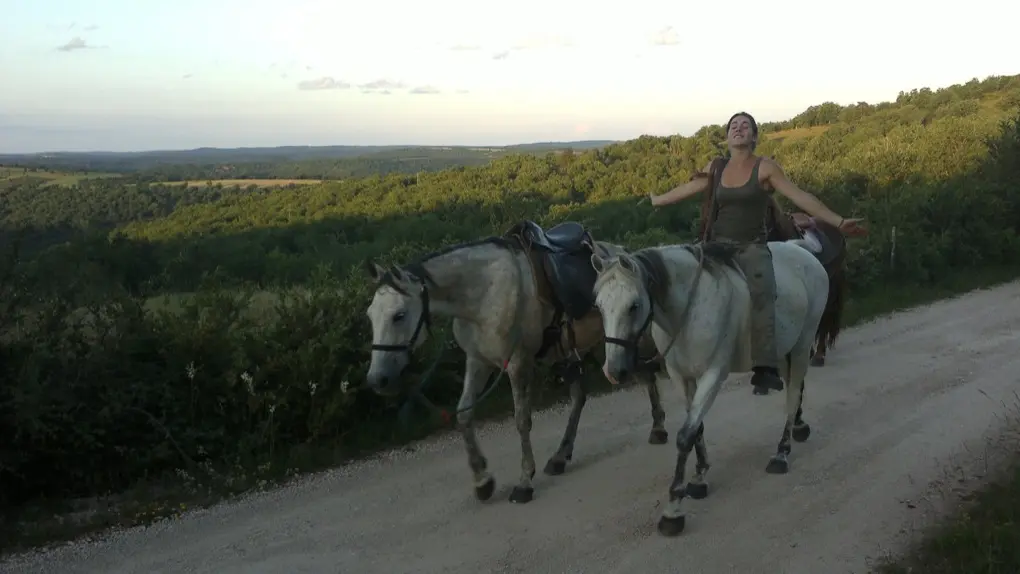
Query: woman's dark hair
(754, 126)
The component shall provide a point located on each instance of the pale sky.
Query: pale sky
(125, 75)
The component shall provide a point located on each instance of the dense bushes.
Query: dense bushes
(112, 375)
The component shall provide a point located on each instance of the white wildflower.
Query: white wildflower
(344, 386)
(311, 387)
(249, 381)
(190, 370)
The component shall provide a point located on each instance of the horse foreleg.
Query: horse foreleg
(697, 488)
(520, 373)
(673, 520)
(578, 397)
(658, 434)
(476, 374)
(795, 369)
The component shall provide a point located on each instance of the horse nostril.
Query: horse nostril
(378, 382)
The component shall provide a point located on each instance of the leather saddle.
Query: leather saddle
(561, 258)
(785, 226)
(803, 226)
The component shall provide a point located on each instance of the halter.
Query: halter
(424, 320)
(632, 344)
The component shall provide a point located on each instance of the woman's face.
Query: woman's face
(740, 133)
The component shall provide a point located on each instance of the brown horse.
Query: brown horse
(786, 226)
(783, 227)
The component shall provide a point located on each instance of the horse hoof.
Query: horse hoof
(521, 495)
(801, 432)
(759, 390)
(484, 492)
(778, 465)
(658, 436)
(555, 467)
(697, 490)
(672, 526)
(817, 361)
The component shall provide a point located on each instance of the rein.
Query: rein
(632, 343)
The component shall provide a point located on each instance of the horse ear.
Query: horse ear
(397, 272)
(597, 262)
(374, 270)
(628, 263)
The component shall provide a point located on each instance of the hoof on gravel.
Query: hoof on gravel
(672, 526)
(484, 492)
(817, 361)
(697, 490)
(801, 432)
(778, 465)
(759, 390)
(522, 495)
(658, 436)
(555, 467)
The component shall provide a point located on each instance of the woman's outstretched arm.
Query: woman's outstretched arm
(682, 191)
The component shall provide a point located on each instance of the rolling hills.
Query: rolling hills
(937, 166)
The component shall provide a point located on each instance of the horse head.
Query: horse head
(626, 307)
(400, 318)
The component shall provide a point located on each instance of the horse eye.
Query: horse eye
(634, 306)
(399, 316)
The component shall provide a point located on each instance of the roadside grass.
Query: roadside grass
(981, 535)
(168, 497)
(983, 538)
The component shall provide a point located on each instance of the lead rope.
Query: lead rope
(416, 395)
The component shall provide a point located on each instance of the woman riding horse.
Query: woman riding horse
(742, 195)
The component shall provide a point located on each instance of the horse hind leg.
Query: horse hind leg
(476, 373)
(649, 372)
(521, 373)
(801, 429)
(658, 434)
(795, 368)
(557, 464)
(818, 352)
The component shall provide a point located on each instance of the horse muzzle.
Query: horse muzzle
(382, 383)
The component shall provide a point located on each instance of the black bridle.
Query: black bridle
(424, 321)
(631, 344)
(415, 394)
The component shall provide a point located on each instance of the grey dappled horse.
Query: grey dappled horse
(507, 296)
(695, 302)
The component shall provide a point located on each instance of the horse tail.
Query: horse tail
(832, 316)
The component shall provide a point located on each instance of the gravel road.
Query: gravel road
(900, 400)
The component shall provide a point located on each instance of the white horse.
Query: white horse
(497, 290)
(696, 300)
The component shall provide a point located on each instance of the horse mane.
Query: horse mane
(714, 256)
(657, 277)
(417, 266)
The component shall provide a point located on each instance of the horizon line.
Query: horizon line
(308, 146)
